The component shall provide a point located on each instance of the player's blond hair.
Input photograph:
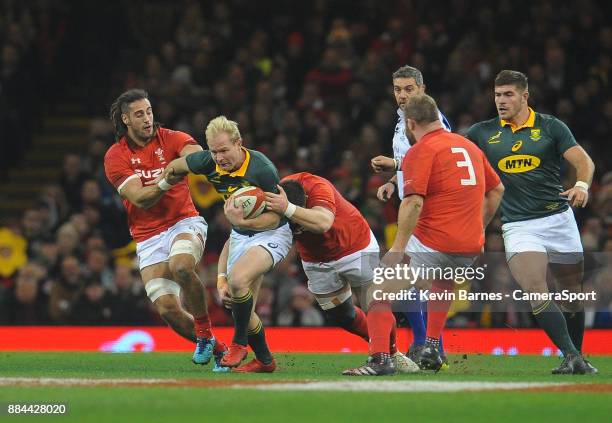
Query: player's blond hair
(222, 124)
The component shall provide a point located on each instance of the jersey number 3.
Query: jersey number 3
(465, 163)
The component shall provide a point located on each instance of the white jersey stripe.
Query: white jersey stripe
(120, 187)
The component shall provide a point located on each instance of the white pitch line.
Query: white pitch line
(401, 386)
(348, 385)
(56, 381)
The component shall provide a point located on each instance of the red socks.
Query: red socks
(437, 309)
(202, 326)
(359, 326)
(381, 324)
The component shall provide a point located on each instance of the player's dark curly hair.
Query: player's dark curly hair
(295, 192)
(121, 105)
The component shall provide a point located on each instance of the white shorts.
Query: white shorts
(157, 248)
(556, 235)
(423, 256)
(357, 269)
(277, 242)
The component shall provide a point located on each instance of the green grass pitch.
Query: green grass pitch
(203, 396)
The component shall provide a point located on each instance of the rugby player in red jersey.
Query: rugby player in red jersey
(451, 193)
(169, 233)
(339, 252)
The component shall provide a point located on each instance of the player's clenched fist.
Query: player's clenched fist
(277, 202)
(383, 164)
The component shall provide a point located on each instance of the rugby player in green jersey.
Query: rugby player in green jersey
(255, 246)
(526, 148)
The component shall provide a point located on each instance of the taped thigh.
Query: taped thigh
(330, 302)
(157, 287)
(185, 246)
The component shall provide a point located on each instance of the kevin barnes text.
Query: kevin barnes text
(463, 295)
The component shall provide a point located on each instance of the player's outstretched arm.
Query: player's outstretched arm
(176, 170)
(491, 203)
(142, 196)
(578, 195)
(317, 219)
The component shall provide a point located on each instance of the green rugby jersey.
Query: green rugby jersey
(256, 170)
(528, 160)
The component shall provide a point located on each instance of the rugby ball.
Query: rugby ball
(251, 199)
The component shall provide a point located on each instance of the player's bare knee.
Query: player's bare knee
(184, 256)
(182, 270)
(239, 281)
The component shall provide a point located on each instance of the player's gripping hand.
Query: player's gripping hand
(171, 176)
(233, 212)
(168, 175)
(385, 191)
(577, 196)
(277, 202)
(383, 164)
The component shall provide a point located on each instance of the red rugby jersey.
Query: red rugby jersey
(124, 161)
(349, 233)
(453, 175)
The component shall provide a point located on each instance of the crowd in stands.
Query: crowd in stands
(310, 85)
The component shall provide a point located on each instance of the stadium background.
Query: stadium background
(309, 84)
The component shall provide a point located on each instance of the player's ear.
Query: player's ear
(124, 118)
(410, 124)
(526, 95)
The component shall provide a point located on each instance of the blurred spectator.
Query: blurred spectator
(68, 240)
(129, 304)
(97, 267)
(65, 290)
(93, 305)
(72, 179)
(27, 306)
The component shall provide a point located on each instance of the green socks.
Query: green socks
(575, 327)
(241, 311)
(551, 319)
(257, 341)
